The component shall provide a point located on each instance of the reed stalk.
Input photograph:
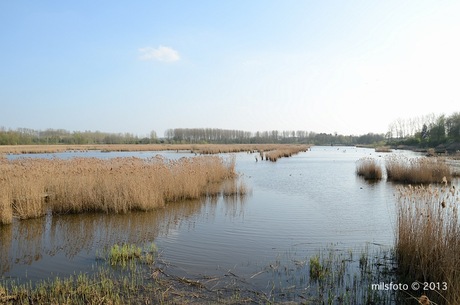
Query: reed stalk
(6, 209)
(428, 239)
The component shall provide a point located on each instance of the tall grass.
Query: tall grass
(428, 239)
(385, 149)
(417, 170)
(194, 148)
(6, 209)
(127, 255)
(30, 186)
(284, 152)
(369, 168)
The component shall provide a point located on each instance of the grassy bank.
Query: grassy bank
(30, 187)
(428, 240)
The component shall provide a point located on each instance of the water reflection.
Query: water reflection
(6, 239)
(26, 242)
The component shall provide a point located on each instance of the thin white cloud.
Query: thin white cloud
(162, 53)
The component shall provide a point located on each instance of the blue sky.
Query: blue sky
(350, 67)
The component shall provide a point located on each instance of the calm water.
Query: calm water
(298, 205)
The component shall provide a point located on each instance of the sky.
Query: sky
(350, 67)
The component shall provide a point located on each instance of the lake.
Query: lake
(297, 207)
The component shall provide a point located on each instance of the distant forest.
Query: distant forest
(212, 135)
(425, 131)
(24, 136)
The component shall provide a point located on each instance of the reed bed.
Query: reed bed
(417, 170)
(369, 169)
(30, 187)
(284, 152)
(205, 149)
(384, 149)
(428, 239)
(48, 149)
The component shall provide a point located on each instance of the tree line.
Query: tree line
(426, 131)
(227, 136)
(26, 136)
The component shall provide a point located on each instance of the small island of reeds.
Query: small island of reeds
(419, 170)
(369, 169)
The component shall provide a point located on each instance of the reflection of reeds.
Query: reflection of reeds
(114, 185)
(6, 239)
(234, 187)
(417, 170)
(369, 169)
(428, 239)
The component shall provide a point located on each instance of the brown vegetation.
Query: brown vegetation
(417, 170)
(428, 239)
(6, 209)
(369, 169)
(31, 186)
(284, 152)
(383, 149)
(193, 148)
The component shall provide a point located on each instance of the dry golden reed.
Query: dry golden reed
(285, 151)
(417, 170)
(31, 186)
(6, 209)
(193, 148)
(428, 238)
(369, 168)
(384, 149)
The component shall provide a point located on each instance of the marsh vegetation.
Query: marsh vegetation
(420, 170)
(369, 168)
(417, 170)
(384, 149)
(428, 239)
(31, 187)
(220, 229)
(204, 149)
